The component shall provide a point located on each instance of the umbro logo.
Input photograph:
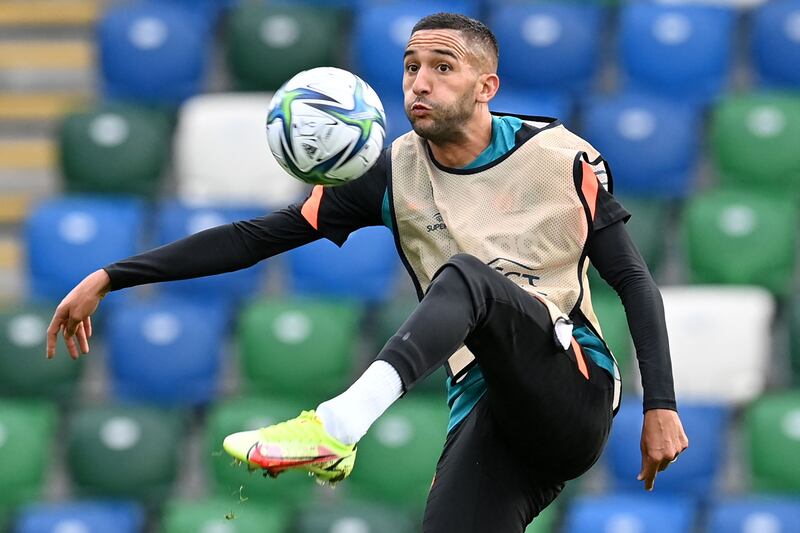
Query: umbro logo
(438, 225)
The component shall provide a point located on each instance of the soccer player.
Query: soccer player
(496, 219)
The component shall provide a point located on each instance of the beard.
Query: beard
(443, 123)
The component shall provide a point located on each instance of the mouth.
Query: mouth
(419, 109)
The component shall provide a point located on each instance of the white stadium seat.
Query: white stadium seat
(720, 341)
(222, 156)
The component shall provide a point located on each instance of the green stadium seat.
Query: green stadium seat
(268, 44)
(773, 430)
(224, 515)
(124, 451)
(794, 338)
(614, 324)
(114, 149)
(302, 348)
(646, 228)
(243, 414)
(397, 457)
(353, 516)
(388, 319)
(26, 438)
(754, 142)
(546, 521)
(734, 237)
(24, 369)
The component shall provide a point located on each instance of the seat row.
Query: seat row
(135, 453)
(679, 51)
(220, 155)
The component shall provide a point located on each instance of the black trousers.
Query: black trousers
(542, 421)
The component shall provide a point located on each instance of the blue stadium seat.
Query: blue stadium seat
(548, 46)
(626, 513)
(396, 119)
(751, 514)
(68, 238)
(165, 352)
(678, 51)
(165, 38)
(380, 34)
(208, 11)
(176, 220)
(650, 143)
(364, 269)
(83, 517)
(776, 43)
(694, 474)
(532, 103)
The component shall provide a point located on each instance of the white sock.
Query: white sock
(348, 416)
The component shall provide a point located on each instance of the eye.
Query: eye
(411, 67)
(443, 67)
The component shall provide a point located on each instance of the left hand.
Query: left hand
(663, 439)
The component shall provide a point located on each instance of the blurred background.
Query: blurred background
(128, 125)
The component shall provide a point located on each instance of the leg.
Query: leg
(534, 386)
(479, 485)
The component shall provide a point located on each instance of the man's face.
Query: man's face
(439, 84)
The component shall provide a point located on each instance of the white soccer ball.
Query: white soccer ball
(326, 126)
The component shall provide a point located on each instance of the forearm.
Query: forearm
(215, 251)
(621, 266)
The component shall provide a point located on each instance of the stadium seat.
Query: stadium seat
(776, 43)
(628, 513)
(794, 338)
(649, 218)
(720, 225)
(68, 238)
(301, 348)
(381, 31)
(81, 517)
(360, 517)
(522, 102)
(651, 144)
(752, 514)
(365, 268)
(166, 38)
(24, 371)
(176, 220)
(546, 521)
(754, 141)
(397, 457)
(114, 148)
(548, 46)
(124, 452)
(695, 474)
(27, 430)
(165, 352)
(772, 431)
(390, 316)
(269, 43)
(677, 51)
(242, 414)
(706, 324)
(614, 325)
(222, 156)
(224, 515)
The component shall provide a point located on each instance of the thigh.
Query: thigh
(481, 486)
(552, 404)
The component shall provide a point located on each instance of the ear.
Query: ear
(487, 86)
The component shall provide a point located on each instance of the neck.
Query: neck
(477, 134)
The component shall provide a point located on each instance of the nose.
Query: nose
(421, 84)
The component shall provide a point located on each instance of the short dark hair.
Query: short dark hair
(470, 27)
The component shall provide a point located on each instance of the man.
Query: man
(496, 221)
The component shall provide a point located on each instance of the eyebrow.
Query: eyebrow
(441, 51)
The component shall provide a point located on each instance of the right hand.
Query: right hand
(73, 315)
